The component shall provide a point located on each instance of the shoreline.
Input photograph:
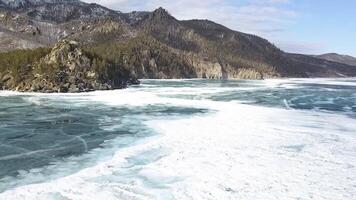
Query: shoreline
(14, 92)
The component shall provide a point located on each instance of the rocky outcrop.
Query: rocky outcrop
(208, 70)
(67, 68)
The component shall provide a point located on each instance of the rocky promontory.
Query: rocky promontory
(67, 68)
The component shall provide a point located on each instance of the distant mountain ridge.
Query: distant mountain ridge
(155, 44)
(16, 4)
(57, 10)
(334, 57)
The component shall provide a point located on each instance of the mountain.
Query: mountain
(345, 59)
(40, 23)
(58, 10)
(154, 44)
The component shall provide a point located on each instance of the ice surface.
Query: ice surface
(236, 151)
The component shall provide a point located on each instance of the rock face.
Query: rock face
(154, 44)
(67, 68)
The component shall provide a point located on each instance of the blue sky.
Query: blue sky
(322, 26)
(301, 26)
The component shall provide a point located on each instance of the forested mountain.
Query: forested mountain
(151, 44)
